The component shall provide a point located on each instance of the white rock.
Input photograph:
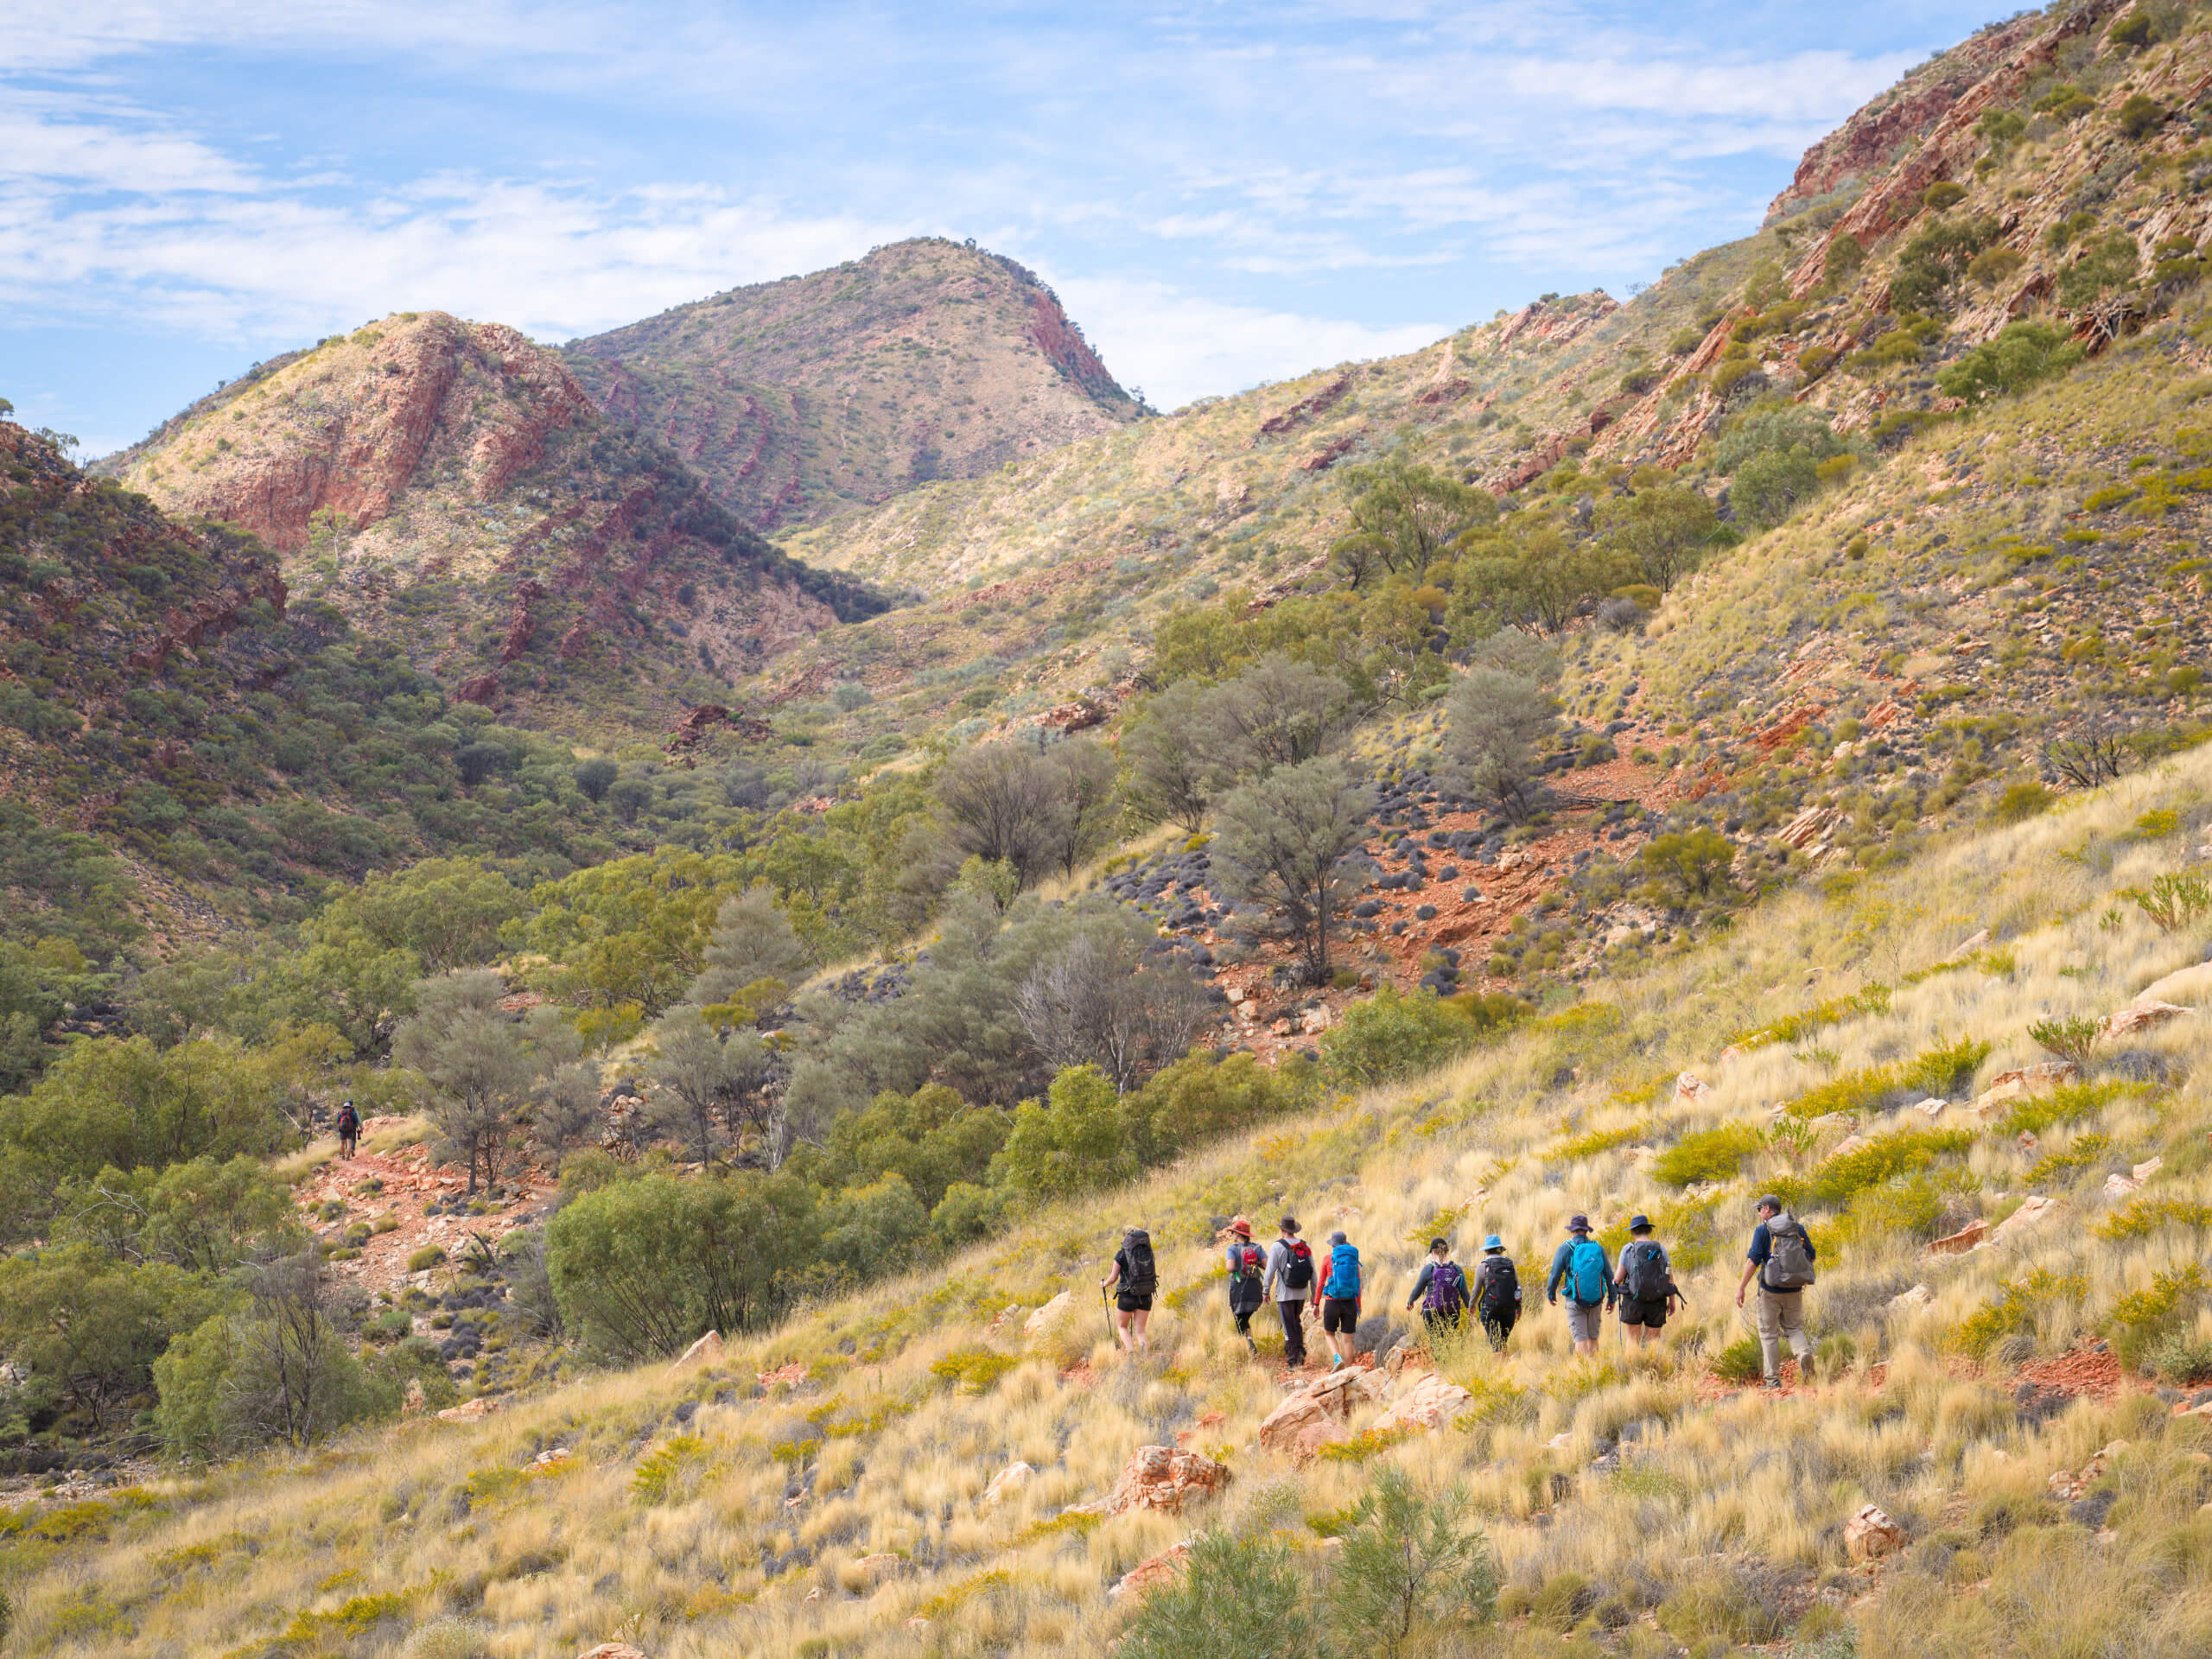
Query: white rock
(1932, 1107)
(1918, 1296)
(2033, 1212)
(1011, 1478)
(2144, 1171)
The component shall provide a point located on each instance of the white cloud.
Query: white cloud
(1180, 346)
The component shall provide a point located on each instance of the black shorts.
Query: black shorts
(1130, 1301)
(1339, 1315)
(1653, 1314)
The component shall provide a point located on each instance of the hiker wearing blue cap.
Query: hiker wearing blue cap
(1580, 1266)
(1646, 1280)
(1440, 1288)
(1497, 1293)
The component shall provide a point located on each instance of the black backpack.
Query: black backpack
(1139, 1277)
(1643, 1272)
(1299, 1274)
(1497, 1287)
(1246, 1278)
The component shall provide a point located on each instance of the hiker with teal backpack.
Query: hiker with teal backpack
(1248, 1272)
(1645, 1280)
(1579, 1265)
(1441, 1289)
(1781, 1254)
(1138, 1276)
(1340, 1301)
(1497, 1293)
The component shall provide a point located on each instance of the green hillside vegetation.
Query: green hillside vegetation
(1627, 1501)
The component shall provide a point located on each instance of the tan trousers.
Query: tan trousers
(1782, 1314)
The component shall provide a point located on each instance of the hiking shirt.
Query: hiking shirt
(1279, 1270)
(1121, 1270)
(1429, 1272)
(1562, 1259)
(1763, 1246)
(1620, 1267)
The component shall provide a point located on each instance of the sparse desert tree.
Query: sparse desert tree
(1495, 720)
(1405, 515)
(1408, 1567)
(564, 1108)
(706, 1084)
(1096, 1003)
(1276, 713)
(1287, 841)
(1688, 865)
(1084, 773)
(1004, 802)
(1164, 749)
(753, 940)
(2094, 754)
(1661, 531)
(1237, 1598)
(481, 1063)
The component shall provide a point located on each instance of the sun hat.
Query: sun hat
(1241, 1227)
(1493, 1242)
(1338, 1237)
(1577, 1224)
(1639, 1223)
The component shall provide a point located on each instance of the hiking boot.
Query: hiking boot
(1773, 1382)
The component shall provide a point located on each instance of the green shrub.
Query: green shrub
(2023, 354)
(1716, 1155)
(1948, 1068)
(2083, 1151)
(2069, 1104)
(2173, 901)
(1741, 1361)
(974, 1370)
(672, 1472)
(422, 1261)
(1884, 1156)
(2021, 802)
(2146, 1216)
(2141, 115)
(1237, 1599)
(1394, 1035)
(1942, 195)
(2070, 1037)
(1855, 1091)
(2014, 1310)
(1409, 1567)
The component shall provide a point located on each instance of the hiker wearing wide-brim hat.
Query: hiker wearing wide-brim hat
(1580, 1268)
(1497, 1292)
(1248, 1275)
(1646, 1282)
(1138, 1277)
(1781, 1255)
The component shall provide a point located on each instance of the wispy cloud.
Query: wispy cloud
(1230, 189)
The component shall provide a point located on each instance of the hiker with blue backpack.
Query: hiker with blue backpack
(1248, 1272)
(1645, 1280)
(1340, 1293)
(1580, 1266)
(1441, 1290)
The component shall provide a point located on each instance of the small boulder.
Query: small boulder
(1165, 1478)
(2144, 1172)
(874, 1569)
(615, 1650)
(2118, 1186)
(2142, 1014)
(1918, 1296)
(1960, 1243)
(703, 1355)
(2008, 1086)
(2033, 1212)
(1148, 1576)
(1046, 1316)
(1689, 1088)
(1429, 1401)
(1871, 1534)
(469, 1411)
(1932, 1108)
(1011, 1478)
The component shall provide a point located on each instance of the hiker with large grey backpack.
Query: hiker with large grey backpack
(1497, 1293)
(1580, 1268)
(1781, 1255)
(1645, 1280)
(1133, 1277)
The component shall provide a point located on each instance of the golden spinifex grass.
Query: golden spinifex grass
(821, 1518)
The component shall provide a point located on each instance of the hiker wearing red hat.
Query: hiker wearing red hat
(1248, 1274)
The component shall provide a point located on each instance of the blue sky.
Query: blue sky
(1223, 193)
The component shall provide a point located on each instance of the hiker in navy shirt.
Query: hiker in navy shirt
(1782, 1288)
(1581, 1265)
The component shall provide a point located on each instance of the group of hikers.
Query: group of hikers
(1638, 1287)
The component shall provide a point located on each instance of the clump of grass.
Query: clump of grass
(2015, 1309)
(2083, 1151)
(1069, 1523)
(1715, 1154)
(1855, 1091)
(1741, 1361)
(2069, 1104)
(674, 1472)
(2145, 1216)
(1948, 1068)
(1368, 1443)
(1898, 1152)
(1795, 1027)
(974, 1370)
(1589, 1144)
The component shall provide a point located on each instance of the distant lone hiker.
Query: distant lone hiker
(1248, 1275)
(1441, 1289)
(1134, 1272)
(1340, 1295)
(349, 1129)
(1497, 1293)
(1646, 1282)
(1781, 1254)
(1581, 1267)
(1290, 1282)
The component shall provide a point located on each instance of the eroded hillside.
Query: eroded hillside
(800, 398)
(448, 485)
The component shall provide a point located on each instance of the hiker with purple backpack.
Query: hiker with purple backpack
(1441, 1290)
